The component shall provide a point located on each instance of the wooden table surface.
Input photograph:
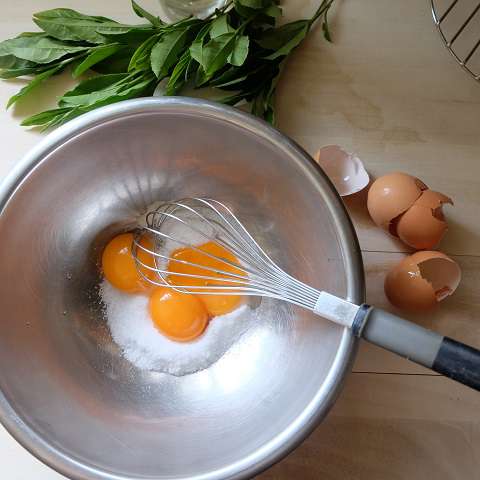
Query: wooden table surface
(388, 90)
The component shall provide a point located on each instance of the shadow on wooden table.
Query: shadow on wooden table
(459, 237)
(43, 97)
(357, 207)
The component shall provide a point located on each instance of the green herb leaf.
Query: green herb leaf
(191, 68)
(121, 91)
(43, 118)
(125, 31)
(196, 48)
(96, 56)
(141, 58)
(57, 117)
(258, 17)
(325, 29)
(142, 13)
(200, 77)
(136, 87)
(283, 39)
(97, 83)
(179, 75)
(117, 63)
(185, 22)
(240, 51)
(270, 116)
(67, 24)
(133, 37)
(32, 34)
(65, 117)
(39, 50)
(220, 26)
(244, 12)
(256, 78)
(94, 89)
(235, 99)
(16, 72)
(34, 83)
(167, 51)
(132, 58)
(216, 52)
(257, 105)
(273, 11)
(269, 113)
(9, 61)
(32, 68)
(229, 77)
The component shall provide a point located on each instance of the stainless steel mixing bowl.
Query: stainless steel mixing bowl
(67, 394)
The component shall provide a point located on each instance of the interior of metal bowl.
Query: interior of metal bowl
(67, 393)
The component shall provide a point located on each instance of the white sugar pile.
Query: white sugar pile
(132, 328)
(143, 345)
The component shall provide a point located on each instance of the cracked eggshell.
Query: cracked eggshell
(345, 170)
(423, 225)
(433, 200)
(391, 195)
(422, 280)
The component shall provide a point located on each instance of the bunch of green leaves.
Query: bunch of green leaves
(239, 49)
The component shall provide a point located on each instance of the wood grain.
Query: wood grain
(389, 90)
(392, 427)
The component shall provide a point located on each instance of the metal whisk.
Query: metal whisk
(173, 225)
(209, 220)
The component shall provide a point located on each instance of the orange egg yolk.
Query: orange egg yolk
(216, 304)
(179, 316)
(119, 266)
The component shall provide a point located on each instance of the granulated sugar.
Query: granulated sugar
(142, 344)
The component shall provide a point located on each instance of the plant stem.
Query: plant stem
(219, 10)
(322, 9)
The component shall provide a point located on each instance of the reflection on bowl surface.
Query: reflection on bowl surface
(96, 414)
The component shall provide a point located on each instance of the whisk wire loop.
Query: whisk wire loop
(255, 273)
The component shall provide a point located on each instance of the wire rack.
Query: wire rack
(458, 22)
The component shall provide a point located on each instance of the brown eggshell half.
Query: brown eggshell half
(440, 271)
(419, 229)
(391, 195)
(422, 226)
(422, 280)
(406, 289)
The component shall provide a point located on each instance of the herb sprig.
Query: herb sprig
(239, 49)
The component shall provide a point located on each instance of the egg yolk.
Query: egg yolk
(216, 304)
(179, 316)
(120, 268)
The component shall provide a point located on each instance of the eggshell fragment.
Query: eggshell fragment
(422, 226)
(448, 273)
(345, 170)
(422, 280)
(433, 200)
(391, 195)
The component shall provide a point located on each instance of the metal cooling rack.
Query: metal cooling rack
(458, 22)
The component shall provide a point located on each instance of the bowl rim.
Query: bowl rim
(278, 447)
